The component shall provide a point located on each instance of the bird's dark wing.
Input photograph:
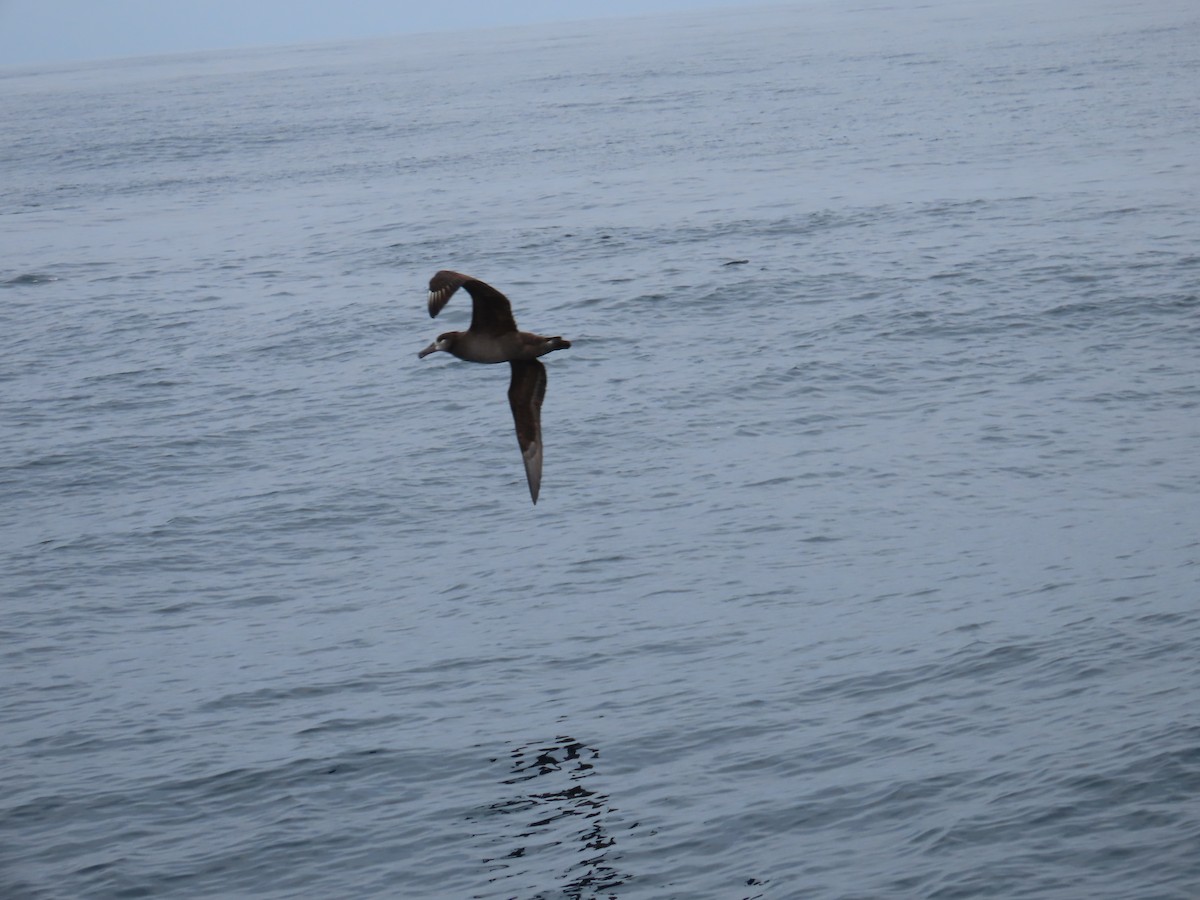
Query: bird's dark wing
(491, 312)
(525, 394)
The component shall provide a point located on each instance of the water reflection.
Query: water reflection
(561, 829)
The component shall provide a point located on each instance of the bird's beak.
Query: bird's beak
(432, 348)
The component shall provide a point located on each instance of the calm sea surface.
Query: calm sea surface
(866, 559)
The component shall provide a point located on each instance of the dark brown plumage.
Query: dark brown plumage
(492, 338)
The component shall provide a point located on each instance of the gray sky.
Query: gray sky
(34, 31)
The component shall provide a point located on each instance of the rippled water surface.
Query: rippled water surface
(865, 562)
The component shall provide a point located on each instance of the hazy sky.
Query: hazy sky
(54, 30)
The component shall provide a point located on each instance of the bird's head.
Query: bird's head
(443, 342)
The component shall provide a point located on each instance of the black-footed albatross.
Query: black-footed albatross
(492, 338)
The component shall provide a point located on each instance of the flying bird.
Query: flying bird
(493, 338)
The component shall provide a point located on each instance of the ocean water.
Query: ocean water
(865, 563)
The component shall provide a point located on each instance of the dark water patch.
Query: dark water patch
(29, 279)
(273, 697)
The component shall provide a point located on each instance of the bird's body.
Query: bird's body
(495, 348)
(493, 338)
